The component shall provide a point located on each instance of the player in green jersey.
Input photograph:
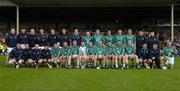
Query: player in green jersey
(100, 55)
(130, 54)
(65, 53)
(130, 37)
(109, 54)
(119, 54)
(97, 37)
(91, 54)
(55, 53)
(169, 53)
(87, 38)
(109, 37)
(119, 37)
(74, 55)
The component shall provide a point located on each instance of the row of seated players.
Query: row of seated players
(101, 56)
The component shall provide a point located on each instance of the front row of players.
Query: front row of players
(110, 56)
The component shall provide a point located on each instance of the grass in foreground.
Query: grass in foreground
(44, 79)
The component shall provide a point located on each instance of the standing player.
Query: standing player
(119, 54)
(155, 56)
(169, 53)
(97, 37)
(109, 54)
(152, 40)
(55, 53)
(11, 41)
(64, 37)
(140, 39)
(42, 39)
(74, 55)
(87, 38)
(119, 37)
(100, 55)
(52, 38)
(32, 38)
(76, 37)
(130, 37)
(144, 56)
(130, 54)
(23, 37)
(83, 55)
(109, 38)
(16, 56)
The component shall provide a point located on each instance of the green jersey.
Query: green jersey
(119, 38)
(109, 50)
(118, 50)
(66, 51)
(55, 52)
(74, 50)
(100, 50)
(87, 39)
(129, 49)
(91, 50)
(167, 51)
(108, 38)
(97, 38)
(130, 37)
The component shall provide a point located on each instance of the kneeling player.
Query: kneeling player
(130, 54)
(144, 55)
(83, 55)
(155, 56)
(119, 54)
(27, 55)
(168, 58)
(100, 55)
(109, 55)
(65, 53)
(55, 53)
(37, 56)
(74, 55)
(91, 54)
(16, 56)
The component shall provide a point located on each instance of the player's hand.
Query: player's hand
(153, 58)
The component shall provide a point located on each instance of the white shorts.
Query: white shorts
(170, 60)
(41, 47)
(9, 49)
(74, 56)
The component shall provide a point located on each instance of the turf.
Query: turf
(44, 79)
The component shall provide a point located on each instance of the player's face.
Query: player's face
(26, 46)
(13, 31)
(23, 30)
(97, 31)
(90, 44)
(119, 43)
(55, 46)
(129, 31)
(87, 33)
(64, 31)
(152, 34)
(82, 44)
(65, 44)
(41, 31)
(36, 46)
(52, 31)
(169, 44)
(18, 46)
(144, 45)
(74, 43)
(46, 47)
(140, 33)
(76, 32)
(109, 43)
(155, 46)
(32, 31)
(109, 32)
(120, 32)
(100, 43)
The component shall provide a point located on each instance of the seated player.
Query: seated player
(65, 53)
(109, 54)
(83, 55)
(119, 54)
(16, 56)
(130, 54)
(155, 56)
(169, 53)
(144, 56)
(27, 55)
(46, 54)
(37, 56)
(100, 55)
(55, 53)
(74, 55)
(91, 54)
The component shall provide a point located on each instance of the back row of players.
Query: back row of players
(87, 51)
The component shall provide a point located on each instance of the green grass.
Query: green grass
(44, 79)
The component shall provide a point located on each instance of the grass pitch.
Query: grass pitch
(45, 79)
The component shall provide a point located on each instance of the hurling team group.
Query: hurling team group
(91, 50)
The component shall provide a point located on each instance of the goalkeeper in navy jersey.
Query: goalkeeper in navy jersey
(46, 56)
(37, 56)
(155, 56)
(144, 56)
